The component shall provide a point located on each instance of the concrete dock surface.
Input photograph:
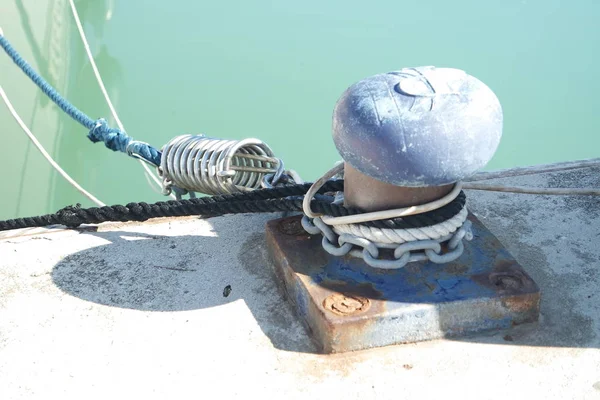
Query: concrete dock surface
(190, 308)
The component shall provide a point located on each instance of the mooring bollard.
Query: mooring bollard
(399, 272)
(407, 136)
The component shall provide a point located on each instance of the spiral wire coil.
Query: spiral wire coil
(216, 166)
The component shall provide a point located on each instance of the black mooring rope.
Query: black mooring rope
(283, 198)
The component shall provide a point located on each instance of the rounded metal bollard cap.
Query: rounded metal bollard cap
(418, 127)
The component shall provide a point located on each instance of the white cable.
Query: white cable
(395, 213)
(44, 152)
(103, 88)
(315, 188)
(403, 212)
(93, 63)
(371, 216)
(396, 236)
(535, 169)
(532, 190)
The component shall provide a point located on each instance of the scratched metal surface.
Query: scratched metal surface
(484, 289)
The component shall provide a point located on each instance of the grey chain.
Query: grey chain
(418, 250)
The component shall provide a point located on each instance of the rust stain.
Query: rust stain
(456, 269)
(342, 315)
(341, 304)
(322, 367)
(344, 330)
(337, 330)
(291, 243)
(508, 278)
(335, 325)
(357, 289)
(522, 304)
(292, 227)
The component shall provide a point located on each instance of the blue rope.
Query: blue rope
(114, 139)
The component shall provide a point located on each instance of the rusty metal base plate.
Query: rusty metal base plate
(347, 305)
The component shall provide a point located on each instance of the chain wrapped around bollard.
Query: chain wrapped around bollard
(401, 254)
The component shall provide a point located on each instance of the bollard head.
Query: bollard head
(418, 127)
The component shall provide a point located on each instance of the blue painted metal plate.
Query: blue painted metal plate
(347, 305)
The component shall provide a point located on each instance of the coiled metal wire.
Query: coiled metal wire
(216, 166)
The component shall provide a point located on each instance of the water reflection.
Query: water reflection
(274, 70)
(40, 100)
(40, 60)
(73, 148)
(95, 13)
(58, 54)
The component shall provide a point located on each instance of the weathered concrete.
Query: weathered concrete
(139, 310)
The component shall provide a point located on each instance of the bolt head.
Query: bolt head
(345, 305)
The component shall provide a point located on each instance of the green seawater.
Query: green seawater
(274, 70)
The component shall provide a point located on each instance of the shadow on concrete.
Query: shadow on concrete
(178, 273)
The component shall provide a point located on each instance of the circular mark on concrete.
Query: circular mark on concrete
(342, 304)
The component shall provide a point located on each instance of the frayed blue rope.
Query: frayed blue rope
(117, 140)
(114, 139)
